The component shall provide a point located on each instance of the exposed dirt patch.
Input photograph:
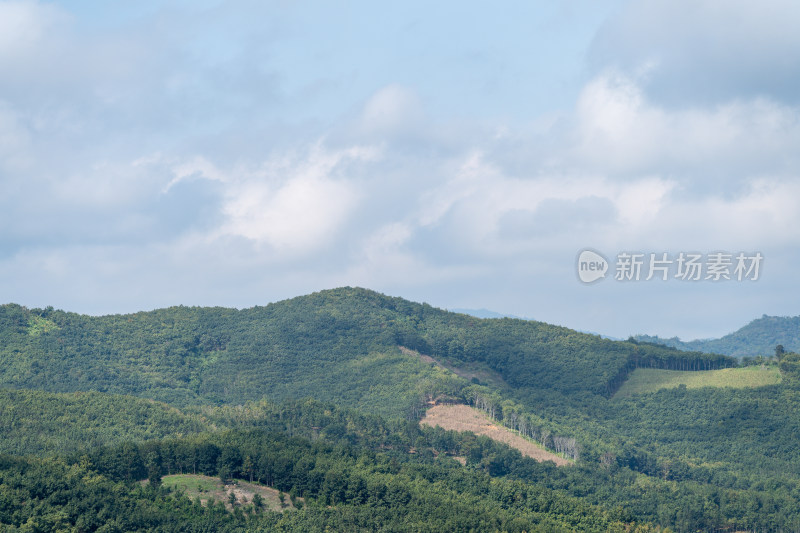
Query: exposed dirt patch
(211, 488)
(466, 418)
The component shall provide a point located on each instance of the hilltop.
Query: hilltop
(342, 345)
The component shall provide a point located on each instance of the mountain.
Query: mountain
(342, 345)
(759, 337)
(483, 313)
(320, 397)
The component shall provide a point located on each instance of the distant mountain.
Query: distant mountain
(759, 337)
(484, 313)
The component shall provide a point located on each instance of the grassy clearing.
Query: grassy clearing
(211, 488)
(465, 418)
(38, 325)
(644, 380)
(468, 371)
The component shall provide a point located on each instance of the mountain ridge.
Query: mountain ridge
(758, 337)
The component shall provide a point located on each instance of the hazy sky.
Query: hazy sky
(236, 153)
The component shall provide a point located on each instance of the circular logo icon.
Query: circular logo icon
(592, 266)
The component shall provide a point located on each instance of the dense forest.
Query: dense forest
(340, 345)
(320, 396)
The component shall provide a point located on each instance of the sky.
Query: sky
(236, 153)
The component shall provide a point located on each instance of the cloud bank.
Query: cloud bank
(188, 155)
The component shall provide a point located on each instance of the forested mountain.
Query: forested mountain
(340, 345)
(320, 397)
(759, 337)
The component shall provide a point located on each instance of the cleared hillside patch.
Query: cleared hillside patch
(470, 371)
(211, 488)
(644, 380)
(466, 418)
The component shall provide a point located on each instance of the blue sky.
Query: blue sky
(237, 153)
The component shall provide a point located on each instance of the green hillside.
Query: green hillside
(644, 380)
(335, 346)
(41, 423)
(347, 478)
(359, 472)
(693, 459)
(341, 345)
(759, 337)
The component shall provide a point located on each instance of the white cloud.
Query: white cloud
(15, 140)
(479, 195)
(173, 150)
(23, 27)
(760, 216)
(394, 109)
(620, 131)
(196, 167)
(293, 204)
(705, 51)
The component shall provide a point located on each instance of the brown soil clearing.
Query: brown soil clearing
(466, 418)
(207, 488)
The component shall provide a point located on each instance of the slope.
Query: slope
(464, 418)
(340, 345)
(644, 380)
(41, 423)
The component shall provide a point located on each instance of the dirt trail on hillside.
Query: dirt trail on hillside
(466, 418)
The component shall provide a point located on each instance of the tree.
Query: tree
(779, 351)
(229, 462)
(153, 463)
(154, 476)
(248, 467)
(224, 474)
(258, 501)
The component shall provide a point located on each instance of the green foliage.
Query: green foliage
(49, 495)
(36, 422)
(692, 459)
(730, 437)
(38, 325)
(339, 345)
(368, 466)
(258, 501)
(349, 489)
(644, 380)
(329, 346)
(378, 486)
(790, 366)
